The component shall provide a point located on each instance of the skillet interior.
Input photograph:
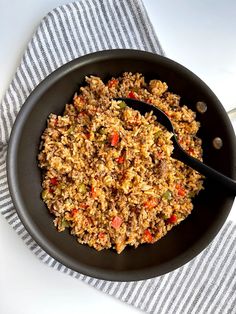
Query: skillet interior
(180, 245)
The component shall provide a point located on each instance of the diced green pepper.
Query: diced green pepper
(167, 195)
(164, 216)
(82, 188)
(102, 142)
(191, 194)
(157, 134)
(101, 130)
(64, 223)
(136, 89)
(122, 105)
(70, 130)
(44, 194)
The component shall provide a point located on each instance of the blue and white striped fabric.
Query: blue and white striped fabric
(207, 284)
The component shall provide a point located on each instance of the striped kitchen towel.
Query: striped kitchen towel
(207, 284)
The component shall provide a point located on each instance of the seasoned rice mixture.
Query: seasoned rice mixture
(108, 172)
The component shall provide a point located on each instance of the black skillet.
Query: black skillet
(185, 241)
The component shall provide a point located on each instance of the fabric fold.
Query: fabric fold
(207, 284)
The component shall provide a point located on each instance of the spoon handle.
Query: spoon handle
(207, 171)
(178, 152)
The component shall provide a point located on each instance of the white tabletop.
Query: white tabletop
(198, 34)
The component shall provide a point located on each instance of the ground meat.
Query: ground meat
(108, 171)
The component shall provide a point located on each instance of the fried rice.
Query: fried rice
(108, 174)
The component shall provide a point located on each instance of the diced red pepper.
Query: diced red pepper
(50, 190)
(101, 235)
(93, 192)
(132, 95)
(116, 222)
(148, 236)
(83, 205)
(181, 190)
(151, 203)
(74, 212)
(120, 160)
(112, 83)
(191, 150)
(87, 135)
(114, 138)
(172, 219)
(53, 181)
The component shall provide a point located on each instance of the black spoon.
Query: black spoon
(178, 152)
